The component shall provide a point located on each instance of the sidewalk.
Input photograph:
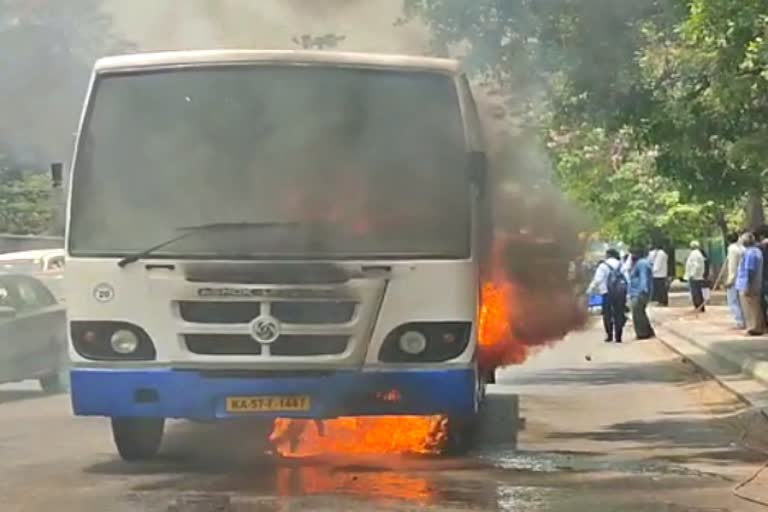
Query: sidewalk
(708, 340)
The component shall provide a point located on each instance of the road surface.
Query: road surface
(606, 428)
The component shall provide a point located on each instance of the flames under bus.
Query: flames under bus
(274, 234)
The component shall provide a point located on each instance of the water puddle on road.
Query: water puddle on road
(495, 481)
(542, 462)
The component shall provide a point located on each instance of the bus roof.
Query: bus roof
(196, 58)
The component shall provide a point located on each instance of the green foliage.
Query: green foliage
(711, 82)
(580, 52)
(617, 180)
(25, 203)
(655, 112)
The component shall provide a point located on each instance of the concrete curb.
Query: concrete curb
(746, 378)
(755, 368)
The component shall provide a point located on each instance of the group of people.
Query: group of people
(629, 284)
(618, 282)
(746, 280)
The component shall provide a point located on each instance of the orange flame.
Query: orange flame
(516, 317)
(513, 319)
(497, 344)
(369, 435)
(308, 480)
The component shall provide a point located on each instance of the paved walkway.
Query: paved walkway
(738, 361)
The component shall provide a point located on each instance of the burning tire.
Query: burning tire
(137, 438)
(460, 436)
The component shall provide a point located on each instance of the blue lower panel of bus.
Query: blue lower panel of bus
(201, 395)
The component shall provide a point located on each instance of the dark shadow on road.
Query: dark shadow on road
(704, 434)
(669, 372)
(21, 394)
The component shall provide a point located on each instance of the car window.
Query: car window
(21, 265)
(6, 299)
(32, 295)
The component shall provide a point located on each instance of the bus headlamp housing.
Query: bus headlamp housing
(413, 343)
(426, 342)
(124, 342)
(111, 341)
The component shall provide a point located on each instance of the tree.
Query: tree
(581, 53)
(47, 48)
(573, 66)
(616, 177)
(26, 205)
(710, 80)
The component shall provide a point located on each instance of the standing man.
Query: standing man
(611, 284)
(761, 239)
(660, 265)
(732, 260)
(749, 283)
(640, 289)
(695, 270)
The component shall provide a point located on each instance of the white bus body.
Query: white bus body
(315, 224)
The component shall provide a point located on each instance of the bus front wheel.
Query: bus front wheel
(460, 436)
(137, 438)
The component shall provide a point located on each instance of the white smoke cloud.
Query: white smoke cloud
(368, 25)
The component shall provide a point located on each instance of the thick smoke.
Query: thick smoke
(366, 25)
(532, 296)
(536, 243)
(536, 233)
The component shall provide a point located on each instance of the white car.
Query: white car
(32, 333)
(45, 264)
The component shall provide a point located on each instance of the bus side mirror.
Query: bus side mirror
(57, 174)
(477, 167)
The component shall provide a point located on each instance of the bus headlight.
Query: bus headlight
(413, 343)
(426, 342)
(124, 342)
(111, 341)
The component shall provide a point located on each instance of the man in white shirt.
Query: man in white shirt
(660, 264)
(695, 269)
(607, 283)
(732, 261)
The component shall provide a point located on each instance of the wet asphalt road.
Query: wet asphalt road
(630, 429)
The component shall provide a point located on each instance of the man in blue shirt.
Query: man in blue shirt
(640, 289)
(749, 284)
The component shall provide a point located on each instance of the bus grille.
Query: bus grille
(285, 345)
(299, 312)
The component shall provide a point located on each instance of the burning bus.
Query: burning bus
(275, 234)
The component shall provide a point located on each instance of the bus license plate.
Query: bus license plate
(239, 404)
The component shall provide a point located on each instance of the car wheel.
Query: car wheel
(138, 438)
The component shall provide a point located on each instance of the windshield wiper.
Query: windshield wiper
(188, 231)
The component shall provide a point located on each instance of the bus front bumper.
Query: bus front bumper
(200, 395)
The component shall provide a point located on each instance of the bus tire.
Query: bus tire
(138, 438)
(460, 436)
(53, 384)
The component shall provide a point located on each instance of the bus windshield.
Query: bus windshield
(371, 162)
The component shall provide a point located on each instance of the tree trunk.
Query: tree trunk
(754, 209)
(722, 225)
